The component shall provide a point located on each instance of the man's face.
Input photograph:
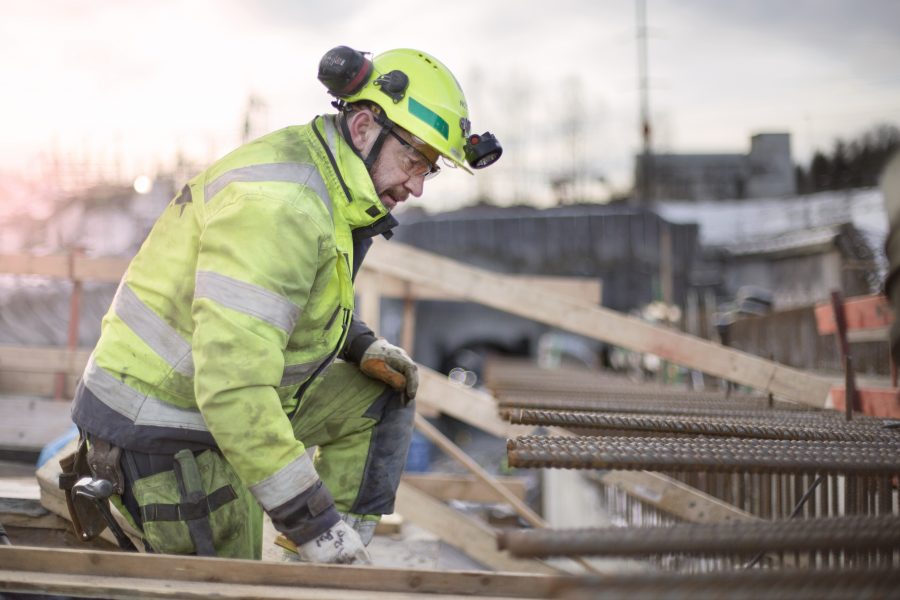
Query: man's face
(401, 168)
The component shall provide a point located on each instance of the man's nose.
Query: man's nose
(415, 185)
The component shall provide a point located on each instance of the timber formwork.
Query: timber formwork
(817, 489)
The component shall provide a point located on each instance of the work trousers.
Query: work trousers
(361, 431)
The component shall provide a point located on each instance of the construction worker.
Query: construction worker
(231, 346)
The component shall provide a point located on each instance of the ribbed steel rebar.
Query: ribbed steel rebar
(845, 584)
(761, 428)
(840, 533)
(539, 396)
(704, 454)
(676, 408)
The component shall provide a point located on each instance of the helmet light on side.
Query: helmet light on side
(482, 150)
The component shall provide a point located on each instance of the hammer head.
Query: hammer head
(94, 489)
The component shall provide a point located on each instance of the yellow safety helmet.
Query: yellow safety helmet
(415, 91)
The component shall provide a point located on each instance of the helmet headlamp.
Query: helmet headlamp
(482, 150)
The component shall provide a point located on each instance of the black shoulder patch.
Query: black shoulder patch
(183, 198)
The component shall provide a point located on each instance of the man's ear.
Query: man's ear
(362, 126)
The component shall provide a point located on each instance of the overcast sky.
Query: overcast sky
(135, 81)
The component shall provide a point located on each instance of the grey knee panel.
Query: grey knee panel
(387, 454)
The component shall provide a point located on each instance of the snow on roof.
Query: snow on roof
(731, 221)
(791, 242)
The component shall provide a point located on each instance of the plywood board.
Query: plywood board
(448, 486)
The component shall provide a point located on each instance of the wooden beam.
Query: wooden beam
(448, 486)
(500, 493)
(43, 359)
(58, 265)
(469, 536)
(539, 304)
(23, 264)
(472, 406)
(173, 574)
(583, 289)
(674, 497)
(31, 423)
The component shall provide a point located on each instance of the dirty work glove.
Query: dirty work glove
(390, 364)
(338, 545)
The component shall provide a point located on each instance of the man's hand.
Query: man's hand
(390, 364)
(339, 545)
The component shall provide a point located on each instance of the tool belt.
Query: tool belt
(176, 512)
(90, 475)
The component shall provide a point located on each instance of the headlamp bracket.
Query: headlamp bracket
(393, 84)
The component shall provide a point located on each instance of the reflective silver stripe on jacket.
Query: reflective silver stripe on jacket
(165, 341)
(292, 479)
(247, 298)
(291, 172)
(297, 373)
(330, 132)
(137, 407)
(153, 330)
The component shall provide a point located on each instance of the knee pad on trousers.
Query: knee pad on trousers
(387, 454)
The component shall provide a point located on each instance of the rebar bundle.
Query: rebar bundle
(849, 584)
(711, 454)
(784, 427)
(659, 406)
(839, 533)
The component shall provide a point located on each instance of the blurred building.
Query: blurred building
(637, 255)
(766, 172)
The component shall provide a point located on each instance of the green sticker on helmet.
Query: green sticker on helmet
(429, 117)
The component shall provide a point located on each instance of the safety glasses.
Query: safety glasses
(418, 164)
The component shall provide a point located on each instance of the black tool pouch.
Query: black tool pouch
(88, 523)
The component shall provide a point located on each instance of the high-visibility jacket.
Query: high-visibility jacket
(238, 299)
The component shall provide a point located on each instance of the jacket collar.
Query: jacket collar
(359, 204)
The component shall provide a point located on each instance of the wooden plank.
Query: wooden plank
(878, 334)
(107, 269)
(31, 423)
(447, 486)
(369, 308)
(500, 493)
(469, 536)
(863, 312)
(475, 407)
(58, 265)
(18, 512)
(35, 384)
(170, 572)
(23, 264)
(43, 359)
(133, 588)
(583, 289)
(596, 322)
(674, 497)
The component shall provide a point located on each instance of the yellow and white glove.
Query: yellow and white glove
(339, 545)
(392, 365)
